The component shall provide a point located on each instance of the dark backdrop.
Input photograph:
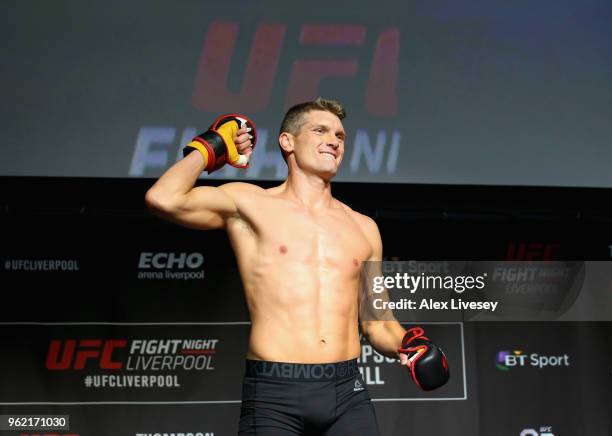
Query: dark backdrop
(89, 315)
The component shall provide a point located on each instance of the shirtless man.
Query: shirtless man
(299, 251)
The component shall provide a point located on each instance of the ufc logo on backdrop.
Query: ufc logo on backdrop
(73, 357)
(211, 93)
(544, 431)
(531, 251)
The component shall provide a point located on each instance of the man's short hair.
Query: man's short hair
(294, 118)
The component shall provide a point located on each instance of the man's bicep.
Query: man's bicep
(213, 199)
(225, 200)
(203, 208)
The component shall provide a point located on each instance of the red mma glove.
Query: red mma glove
(217, 143)
(425, 361)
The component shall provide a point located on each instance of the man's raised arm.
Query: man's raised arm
(174, 197)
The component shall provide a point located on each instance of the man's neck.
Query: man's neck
(310, 190)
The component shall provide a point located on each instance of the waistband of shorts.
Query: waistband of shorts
(302, 371)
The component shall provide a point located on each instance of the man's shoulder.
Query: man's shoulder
(241, 188)
(367, 223)
(369, 228)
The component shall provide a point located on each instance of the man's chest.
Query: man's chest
(294, 233)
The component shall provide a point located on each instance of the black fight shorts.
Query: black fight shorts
(305, 399)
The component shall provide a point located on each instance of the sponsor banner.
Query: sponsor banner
(152, 265)
(507, 360)
(91, 363)
(159, 272)
(41, 265)
(170, 266)
(538, 431)
(485, 291)
(531, 376)
(122, 363)
(496, 402)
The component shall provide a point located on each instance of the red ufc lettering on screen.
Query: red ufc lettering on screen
(211, 93)
(306, 74)
(88, 349)
(531, 251)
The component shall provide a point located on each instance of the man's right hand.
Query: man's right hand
(230, 139)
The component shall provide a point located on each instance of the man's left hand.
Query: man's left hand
(425, 361)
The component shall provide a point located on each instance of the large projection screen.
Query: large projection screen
(444, 91)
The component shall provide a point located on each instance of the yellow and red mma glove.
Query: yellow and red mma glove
(426, 361)
(217, 143)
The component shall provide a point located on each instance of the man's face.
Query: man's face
(319, 145)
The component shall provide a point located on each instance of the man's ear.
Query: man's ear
(286, 142)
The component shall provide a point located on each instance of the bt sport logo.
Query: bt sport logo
(516, 358)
